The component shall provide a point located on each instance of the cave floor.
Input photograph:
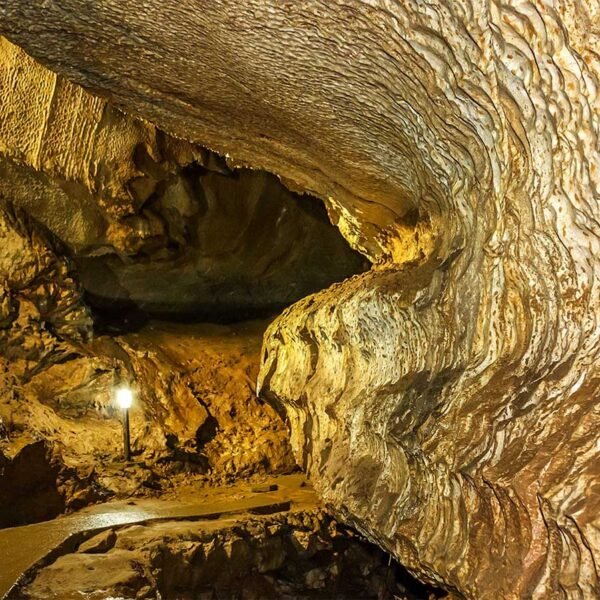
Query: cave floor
(23, 547)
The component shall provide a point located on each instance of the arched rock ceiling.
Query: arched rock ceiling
(443, 403)
(156, 224)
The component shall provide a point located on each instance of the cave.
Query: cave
(299, 299)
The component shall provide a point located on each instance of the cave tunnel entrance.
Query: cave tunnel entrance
(214, 244)
(181, 279)
(180, 298)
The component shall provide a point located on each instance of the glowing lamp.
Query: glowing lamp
(124, 397)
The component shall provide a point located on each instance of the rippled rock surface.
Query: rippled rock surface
(444, 403)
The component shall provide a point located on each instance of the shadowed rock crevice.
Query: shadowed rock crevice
(29, 486)
(230, 246)
(157, 227)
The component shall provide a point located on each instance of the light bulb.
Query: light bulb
(124, 397)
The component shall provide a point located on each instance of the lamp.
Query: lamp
(124, 397)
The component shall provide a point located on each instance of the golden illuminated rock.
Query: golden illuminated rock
(101, 210)
(154, 222)
(444, 403)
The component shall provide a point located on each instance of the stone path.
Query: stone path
(22, 547)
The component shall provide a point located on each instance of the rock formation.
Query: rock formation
(301, 554)
(60, 432)
(155, 223)
(105, 222)
(444, 402)
(196, 418)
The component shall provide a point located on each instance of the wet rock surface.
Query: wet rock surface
(293, 555)
(196, 414)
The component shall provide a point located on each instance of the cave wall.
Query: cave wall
(42, 312)
(444, 402)
(73, 161)
(155, 223)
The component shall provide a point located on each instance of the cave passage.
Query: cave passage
(170, 296)
(215, 244)
(159, 229)
(161, 276)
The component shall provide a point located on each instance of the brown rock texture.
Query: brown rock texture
(196, 410)
(444, 403)
(101, 210)
(155, 223)
(297, 554)
(236, 245)
(41, 306)
(196, 418)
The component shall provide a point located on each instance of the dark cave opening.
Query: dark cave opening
(213, 244)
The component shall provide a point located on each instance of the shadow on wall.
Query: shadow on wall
(29, 487)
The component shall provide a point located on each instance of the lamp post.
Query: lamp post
(124, 399)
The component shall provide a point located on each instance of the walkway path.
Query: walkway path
(22, 547)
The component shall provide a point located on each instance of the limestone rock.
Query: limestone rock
(101, 543)
(196, 418)
(28, 485)
(227, 247)
(237, 557)
(88, 574)
(41, 301)
(444, 403)
(79, 148)
(101, 209)
(155, 223)
(196, 409)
